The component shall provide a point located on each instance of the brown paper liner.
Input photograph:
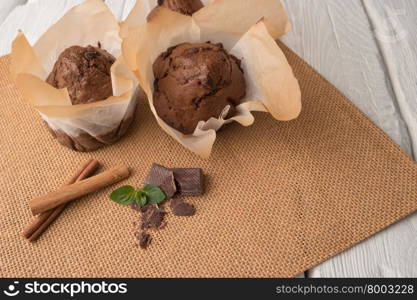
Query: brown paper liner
(85, 142)
(270, 82)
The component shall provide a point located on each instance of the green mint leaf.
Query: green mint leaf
(154, 194)
(124, 195)
(141, 198)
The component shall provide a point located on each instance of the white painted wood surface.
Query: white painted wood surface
(371, 57)
(366, 48)
(7, 6)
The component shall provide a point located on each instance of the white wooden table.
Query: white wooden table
(366, 48)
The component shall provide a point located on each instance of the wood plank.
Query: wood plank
(7, 6)
(37, 16)
(34, 19)
(394, 28)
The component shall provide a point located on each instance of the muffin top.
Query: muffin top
(186, 7)
(85, 72)
(195, 82)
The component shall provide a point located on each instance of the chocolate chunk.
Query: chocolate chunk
(152, 217)
(189, 181)
(90, 55)
(144, 240)
(181, 208)
(162, 177)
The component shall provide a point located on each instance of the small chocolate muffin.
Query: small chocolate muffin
(195, 82)
(85, 72)
(186, 7)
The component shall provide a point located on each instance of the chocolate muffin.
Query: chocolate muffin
(186, 7)
(85, 72)
(195, 82)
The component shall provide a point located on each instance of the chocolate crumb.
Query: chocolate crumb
(152, 217)
(144, 240)
(181, 208)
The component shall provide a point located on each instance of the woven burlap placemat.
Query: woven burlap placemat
(280, 197)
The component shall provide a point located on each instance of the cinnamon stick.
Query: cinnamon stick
(41, 222)
(55, 212)
(36, 223)
(81, 188)
(81, 172)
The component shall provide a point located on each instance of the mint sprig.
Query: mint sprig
(149, 194)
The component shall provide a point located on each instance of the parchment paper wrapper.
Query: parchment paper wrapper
(83, 127)
(244, 31)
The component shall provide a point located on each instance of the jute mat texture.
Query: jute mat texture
(280, 197)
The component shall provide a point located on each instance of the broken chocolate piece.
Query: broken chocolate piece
(152, 217)
(162, 177)
(181, 208)
(189, 181)
(144, 240)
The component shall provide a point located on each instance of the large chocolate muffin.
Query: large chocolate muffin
(85, 72)
(186, 7)
(194, 82)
